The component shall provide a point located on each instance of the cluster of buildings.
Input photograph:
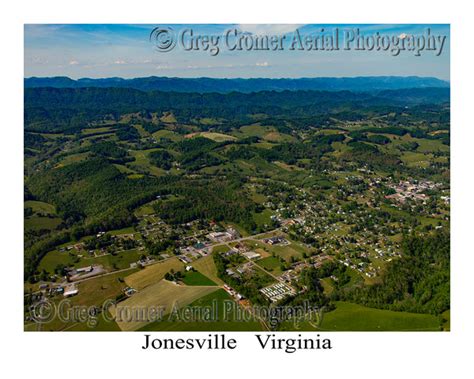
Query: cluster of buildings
(76, 274)
(277, 291)
(278, 240)
(226, 236)
(233, 292)
(405, 190)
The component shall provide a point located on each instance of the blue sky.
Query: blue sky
(98, 51)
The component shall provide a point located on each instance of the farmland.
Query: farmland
(162, 294)
(152, 274)
(354, 317)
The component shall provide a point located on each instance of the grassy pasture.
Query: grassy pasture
(224, 321)
(220, 248)
(287, 251)
(263, 218)
(195, 278)
(271, 264)
(113, 262)
(142, 162)
(168, 134)
(217, 137)
(274, 136)
(96, 290)
(207, 267)
(103, 129)
(54, 258)
(41, 207)
(162, 294)
(354, 317)
(153, 273)
(38, 223)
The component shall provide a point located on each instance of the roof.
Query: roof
(251, 254)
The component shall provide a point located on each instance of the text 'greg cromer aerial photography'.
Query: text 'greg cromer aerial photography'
(227, 177)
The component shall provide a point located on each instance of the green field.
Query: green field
(217, 137)
(354, 317)
(287, 251)
(263, 218)
(195, 278)
(207, 267)
(38, 223)
(271, 264)
(41, 207)
(224, 321)
(168, 134)
(153, 273)
(165, 294)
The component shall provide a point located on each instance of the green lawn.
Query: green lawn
(286, 252)
(263, 218)
(354, 317)
(195, 278)
(54, 258)
(271, 264)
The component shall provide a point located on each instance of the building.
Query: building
(70, 291)
(252, 255)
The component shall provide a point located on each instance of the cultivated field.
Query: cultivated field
(163, 294)
(153, 273)
(225, 320)
(207, 267)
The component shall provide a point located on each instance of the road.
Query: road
(210, 247)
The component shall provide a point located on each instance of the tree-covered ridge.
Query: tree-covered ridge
(418, 282)
(48, 109)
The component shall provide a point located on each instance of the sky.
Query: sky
(119, 50)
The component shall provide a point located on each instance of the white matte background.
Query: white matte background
(117, 355)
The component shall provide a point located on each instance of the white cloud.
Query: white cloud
(269, 29)
(163, 67)
(262, 64)
(119, 61)
(73, 62)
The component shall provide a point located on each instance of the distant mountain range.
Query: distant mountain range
(207, 85)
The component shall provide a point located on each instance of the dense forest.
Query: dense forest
(52, 109)
(418, 282)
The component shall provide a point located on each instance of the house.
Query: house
(274, 240)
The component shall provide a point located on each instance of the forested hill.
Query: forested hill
(306, 101)
(61, 109)
(205, 85)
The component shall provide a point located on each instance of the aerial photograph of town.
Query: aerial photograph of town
(175, 181)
